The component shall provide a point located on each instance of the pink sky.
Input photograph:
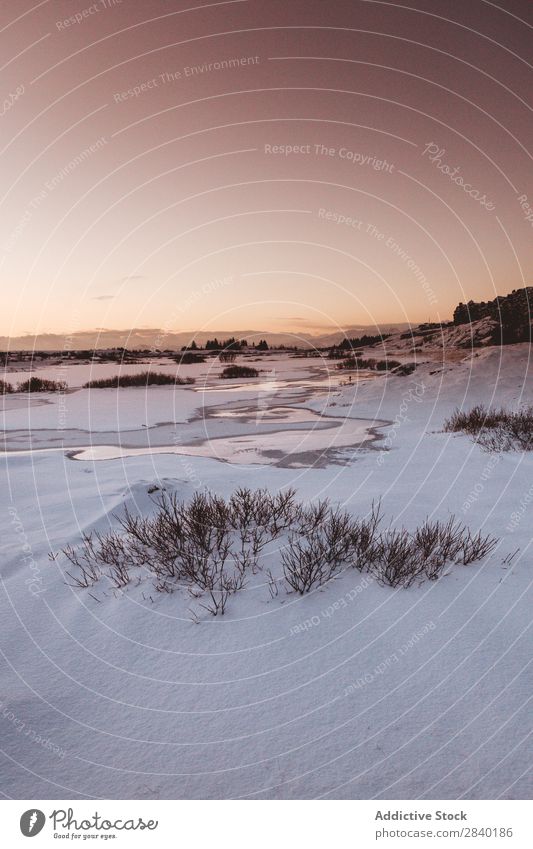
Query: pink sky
(290, 166)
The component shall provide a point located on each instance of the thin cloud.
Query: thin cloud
(296, 319)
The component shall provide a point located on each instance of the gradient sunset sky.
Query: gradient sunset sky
(287, 166)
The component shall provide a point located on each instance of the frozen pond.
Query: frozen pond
(267, 421)
(284, 436)
(291, 446)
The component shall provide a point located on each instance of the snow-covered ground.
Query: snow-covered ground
(353, 691)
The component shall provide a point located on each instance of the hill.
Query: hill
(507, 319)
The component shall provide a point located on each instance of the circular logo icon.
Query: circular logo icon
(32, 822)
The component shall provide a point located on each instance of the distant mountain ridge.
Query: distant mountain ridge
(504, 320)
(159, 339)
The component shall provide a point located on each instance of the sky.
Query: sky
(291, 166)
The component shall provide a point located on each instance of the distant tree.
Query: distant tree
(363, 341)
(226, 344)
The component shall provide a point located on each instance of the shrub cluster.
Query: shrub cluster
(403, 369)
(211, 546)
(352, 362)
(228, 356)
(387, 365)
(238, 371)
(495, 430)
(39, 384)
(144, 378)
(356, 362)
(327, 541)
(190, 358)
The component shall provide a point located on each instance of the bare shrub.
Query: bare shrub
(387, 365)
(474, 420)
(5, 387)
(231, 372)
(283, 510)
(39, 384)
(259, 517)
(189, 358)
(85, 560)
(356, 362)
(204, 558)
(304, 566)
(404, 369)
(155, 543)
(144, 378)
(476, 546)
(210, 545)
(185, 544)
(324, 542)
(397, 560)
(365, 538)
(352, 362)
(439, 543)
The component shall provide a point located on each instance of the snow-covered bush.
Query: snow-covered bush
(404, 369)
(231, 372)
(39, 384)
(387, 365)
(211, 546)
(144, 378)
(189, 358)
(324, 541)
(495, 430)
